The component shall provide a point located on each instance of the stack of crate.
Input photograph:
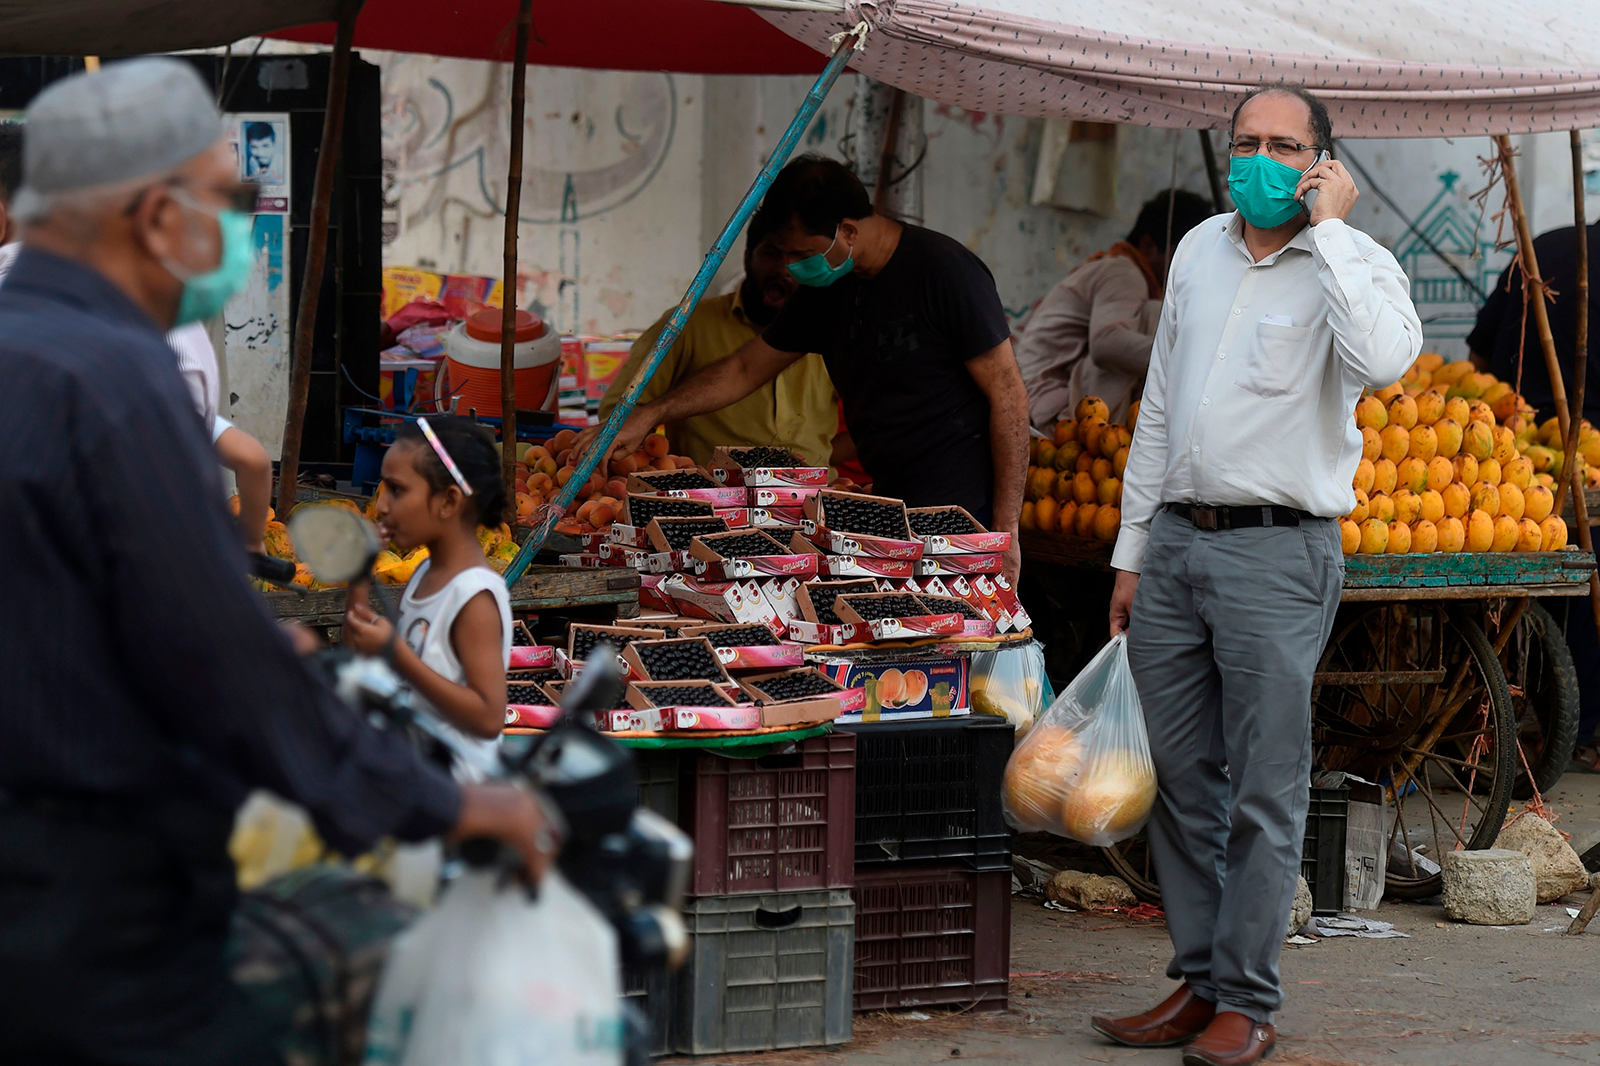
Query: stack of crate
(770, 913)
(933, 864)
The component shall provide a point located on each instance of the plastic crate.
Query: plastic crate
(931, 936)
(652, 992)
(659, 780)
(929, 791)
(779, 823)
(766, 971)
(1322, 860)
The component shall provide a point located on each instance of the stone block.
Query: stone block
(1491, 887)
(1557, 869)
(1074, 888)
(1300, 913)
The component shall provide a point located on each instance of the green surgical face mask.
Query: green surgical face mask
(815, 270)
(205, 294)
(1263, 190)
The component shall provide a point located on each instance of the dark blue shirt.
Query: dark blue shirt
(136, 661)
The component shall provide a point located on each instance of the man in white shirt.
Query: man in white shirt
(1229, 562)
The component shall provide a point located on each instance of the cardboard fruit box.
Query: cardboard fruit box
(651, 595)
(787, 500)
(929, 524)
(957, 564)
(974, 623)
(905, 689)
(772, 557)
(638, 510)
(603, 720)
(719, 601)
(736, 517)
(583, 638)
(665, 660)
(748, 647)
(844, 541)
(692, 705)
(896, 615)
(865, 566)
(583, 561)
(525, 654)
(688, 483)
(760, 466)
(776, 517)
(623, 555)
(818, 622)
(820, 698)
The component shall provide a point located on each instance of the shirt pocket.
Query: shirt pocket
(1277, 361)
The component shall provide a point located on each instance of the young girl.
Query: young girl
(441, 480)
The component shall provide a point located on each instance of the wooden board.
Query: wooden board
(1438, 570)
(542, 588)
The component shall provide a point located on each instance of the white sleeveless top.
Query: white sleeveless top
(425, 624)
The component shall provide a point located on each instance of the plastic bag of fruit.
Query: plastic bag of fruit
(1010, 683)
(1084, 770)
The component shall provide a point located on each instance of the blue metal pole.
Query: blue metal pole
(601, 448)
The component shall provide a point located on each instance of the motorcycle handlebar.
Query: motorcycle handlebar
(267, 568)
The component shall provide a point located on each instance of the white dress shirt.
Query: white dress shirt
(1255, 372)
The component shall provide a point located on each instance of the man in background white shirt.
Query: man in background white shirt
(1229, 562)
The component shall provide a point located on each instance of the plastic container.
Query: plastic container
(472, 364)
(659, 781)
(766, 971)
(932, 936)
(779, 823)
(1322, 861)
(930, 791)
(654, 994)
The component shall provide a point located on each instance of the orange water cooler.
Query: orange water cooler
(472, 364)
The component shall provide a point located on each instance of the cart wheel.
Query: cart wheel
(1544, 699)
(1412, 696)
(1130, 860)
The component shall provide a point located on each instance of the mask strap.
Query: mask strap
(444, 456)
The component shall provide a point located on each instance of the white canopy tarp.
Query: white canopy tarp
(1387, 68)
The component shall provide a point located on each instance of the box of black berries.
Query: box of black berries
(801, 696)
(530, 702)
(738, 465)
(818, 622)
(856, 525)
(692, 705)
(957, 564)
(525, 654)
(952, 530)
(896, 615)
(786, 499)
(638, 510)
(675, 659)
(865, 566)
(690, 483)
(748, 647)
(748, 553)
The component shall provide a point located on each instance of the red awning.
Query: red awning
(683, 36)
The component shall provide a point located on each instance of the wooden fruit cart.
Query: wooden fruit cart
(1412, 690)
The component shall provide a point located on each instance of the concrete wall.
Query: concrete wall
(629, 177)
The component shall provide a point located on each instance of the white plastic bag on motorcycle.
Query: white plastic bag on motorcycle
(494, 978)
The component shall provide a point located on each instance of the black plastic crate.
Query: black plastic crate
(1322, 861)
(659, 780)
(932, 936)
(929, 791)
(653, 993)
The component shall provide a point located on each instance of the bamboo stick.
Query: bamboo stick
(1580, 349)
(305, 322)
(508, 284)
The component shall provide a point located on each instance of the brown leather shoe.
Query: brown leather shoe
(1180, 1017)
(1231, 1039)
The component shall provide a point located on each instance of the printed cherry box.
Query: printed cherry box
(651, 595)
(865, 566)
(583, 561)
(800, 697)
(764, 466)
(720, 601)
(676, 659)
(957, 564)
(690, 483)
(525, 654)
(818, 622)
(582, 639)
(638, 510)
(974, 623)
(671, 625)
(776, 517)
(676, 534)
(784, 499)
(892, 615)
(603, 720)
(747, 554)
(692, 705)
(736, 517)
(623, 555)
(530, 702)
(748, 647)
(873, 526)
(952, 530)
(782, 593)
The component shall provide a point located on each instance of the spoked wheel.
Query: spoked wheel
(1412, 696)
(1130, 860)
(1544, 699)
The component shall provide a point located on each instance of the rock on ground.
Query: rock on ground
(1074, 888)
(1557, 869)
(1491, 887)
(1300, 913)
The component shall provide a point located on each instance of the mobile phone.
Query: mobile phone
(1310, 196)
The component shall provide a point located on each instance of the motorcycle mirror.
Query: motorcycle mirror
(336, 544)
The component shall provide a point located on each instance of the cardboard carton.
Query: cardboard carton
(925, 623)
(726, 467)
(747, 656)
(583, 561)
(788, 499)
(956, 543)
(806, 710)
(980, 626)
(846, 542)
(1007, 596)
(906, 689)
(957, 564)
(865, 566)
(640, 654)
(779, 562)
(704, 490)
(652, 597)
(812, 626)
(639, 508)
(623, 555)
(525, 654)
(770, 518)
(736, 517)
(718, 601)
(676, 534)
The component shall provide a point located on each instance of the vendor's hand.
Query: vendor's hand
(626, 442)
(1122, 600)
(1336, 191)
(367, 631)
(512, 816)
(1011, 561)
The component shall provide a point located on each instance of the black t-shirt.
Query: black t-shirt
(1499, 325)
(896, 346)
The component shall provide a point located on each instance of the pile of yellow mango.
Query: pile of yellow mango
(1074, 485)
(1453, 461)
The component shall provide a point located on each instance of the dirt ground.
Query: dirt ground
(1451, 995)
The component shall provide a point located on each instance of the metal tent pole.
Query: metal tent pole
(847, 45)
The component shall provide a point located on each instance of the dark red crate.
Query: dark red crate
(779, 823)
(932, 936)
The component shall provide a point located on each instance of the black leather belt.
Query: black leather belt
(1212, 518)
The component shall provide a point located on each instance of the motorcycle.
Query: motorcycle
(628, 864)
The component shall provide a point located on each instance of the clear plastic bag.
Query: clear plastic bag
(1084, 770)
(1010, 683)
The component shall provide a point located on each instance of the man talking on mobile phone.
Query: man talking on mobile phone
(1229, 565)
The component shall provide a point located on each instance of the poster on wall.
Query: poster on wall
(257, 319)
